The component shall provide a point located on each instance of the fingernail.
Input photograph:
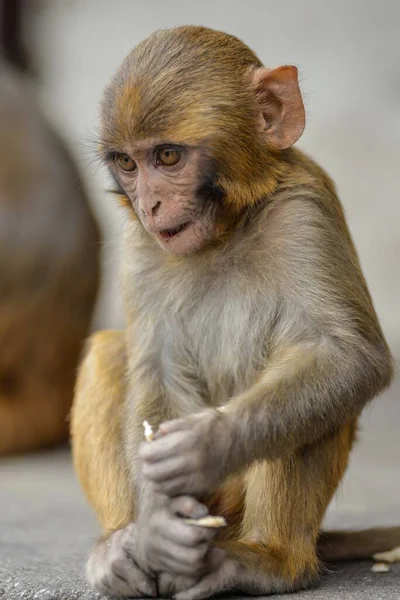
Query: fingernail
(200, 511)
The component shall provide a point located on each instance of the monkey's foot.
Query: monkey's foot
(112, 569)
(169, 585)
(225, 578)
(231, 574)
(179, 586)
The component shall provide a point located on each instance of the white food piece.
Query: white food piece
(380, 567)
(391, 556)
(148, 431)
(208, 522)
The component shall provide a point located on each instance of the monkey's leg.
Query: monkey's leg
(97, 417)
(96, 427)
(284, 505)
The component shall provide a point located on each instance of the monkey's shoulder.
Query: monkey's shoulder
(305, 178)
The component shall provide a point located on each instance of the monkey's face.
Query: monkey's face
(161, 181)
(192, 128)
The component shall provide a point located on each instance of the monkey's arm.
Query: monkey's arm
(308, 391)
(326, 359)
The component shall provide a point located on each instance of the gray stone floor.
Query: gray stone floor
(46, 527)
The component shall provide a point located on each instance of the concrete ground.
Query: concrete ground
(46, 527)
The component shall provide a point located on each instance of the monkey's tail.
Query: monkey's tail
(352, 545)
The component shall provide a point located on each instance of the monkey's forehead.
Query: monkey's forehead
(187, 81)
(191, 47)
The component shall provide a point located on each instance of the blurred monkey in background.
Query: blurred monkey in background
(49, 259)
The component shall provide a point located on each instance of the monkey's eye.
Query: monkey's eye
(168, 157)
(125, 162)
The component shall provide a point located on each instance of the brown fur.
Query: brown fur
(274, 321)
(49, 264)
(103, 415)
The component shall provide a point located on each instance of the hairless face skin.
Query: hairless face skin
(161, 181)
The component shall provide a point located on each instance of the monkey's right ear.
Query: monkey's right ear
(282, 109)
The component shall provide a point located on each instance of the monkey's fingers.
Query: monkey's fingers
(183, 534)
(166, 447)
(196, 513)
(189, 507)
(170, 427)
(166, 471)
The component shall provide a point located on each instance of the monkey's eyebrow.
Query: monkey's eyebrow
(169, 145)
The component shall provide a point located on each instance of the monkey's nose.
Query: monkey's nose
(155, 208)
(150, 209)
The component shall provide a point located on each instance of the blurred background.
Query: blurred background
(348, 55)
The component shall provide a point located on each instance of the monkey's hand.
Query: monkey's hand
(167, 544)
(112, 568)
(188, 456)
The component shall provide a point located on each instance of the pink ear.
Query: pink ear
(282, 108)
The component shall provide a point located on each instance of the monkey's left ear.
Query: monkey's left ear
(279, 97)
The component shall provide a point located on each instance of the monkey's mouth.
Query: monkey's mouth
(170, 233)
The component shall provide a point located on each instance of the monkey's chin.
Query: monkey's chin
(192, 238)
